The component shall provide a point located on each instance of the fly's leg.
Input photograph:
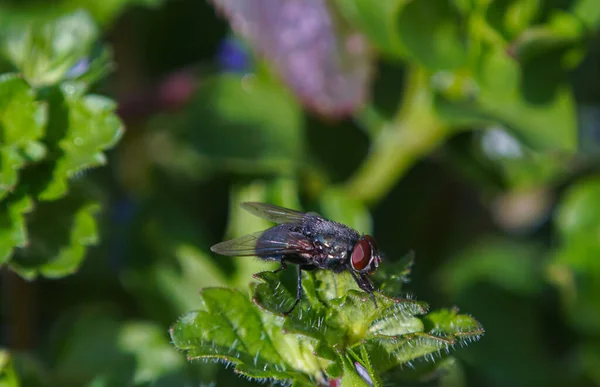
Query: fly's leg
(364, 283)
(298, 291)
(282, 267)
(372, 297)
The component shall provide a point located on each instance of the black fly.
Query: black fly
(309, 241)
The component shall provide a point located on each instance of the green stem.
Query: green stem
(415, 132)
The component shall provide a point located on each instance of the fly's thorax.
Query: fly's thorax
(333, 254)
(333, 245)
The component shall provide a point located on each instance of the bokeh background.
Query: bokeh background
(474, 142)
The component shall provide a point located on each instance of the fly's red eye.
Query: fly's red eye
(361, 255)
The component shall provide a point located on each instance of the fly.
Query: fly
(309, 241)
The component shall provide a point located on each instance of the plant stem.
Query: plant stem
(415, 132)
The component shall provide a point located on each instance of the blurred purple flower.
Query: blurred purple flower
(326, 62)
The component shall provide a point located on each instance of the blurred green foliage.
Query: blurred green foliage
(475, 142)
(52, 131)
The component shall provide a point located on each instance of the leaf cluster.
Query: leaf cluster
(335, 333)
(52, 132)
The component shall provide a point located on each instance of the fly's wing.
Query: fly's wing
(264, 244)
(277, 214)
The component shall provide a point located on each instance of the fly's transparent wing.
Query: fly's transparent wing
(264, 244)
(277, 214)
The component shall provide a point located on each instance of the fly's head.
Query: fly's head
(365, 256)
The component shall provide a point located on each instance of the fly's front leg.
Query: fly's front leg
(282, 267)
(365, 284)
(298, 291)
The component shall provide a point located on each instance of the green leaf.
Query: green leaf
(353, 316)
(45, 50)
(249, 125)
(182, 271)
(433, 34)
(588, 12)
(106, 11)
(263, 345)
(103, 12)
(124, 353)
(22, 120)
(445, 372)
(59, 250)
(533, 170)
(55, 133)
(563, 31)
(575, 268)
(154, 354)
(13, 230)
(395, 275)
(356, 375)
(393, 343)
(230, 329)
(340, 317)
(508, 265)
(81, 127)
(377, 20)
(579, 211)
(539, 112)
(332, 320)
(8, 375)
(511, 17)
(447, 323)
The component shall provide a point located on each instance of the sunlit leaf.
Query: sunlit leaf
(13, 230)
(81, 127)
(332, 319)
(8, 375)
(230, 329)
(45, 50)
(59, 250)
(541, 113)
(22, 119)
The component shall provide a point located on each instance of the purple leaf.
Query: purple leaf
(325, 62)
